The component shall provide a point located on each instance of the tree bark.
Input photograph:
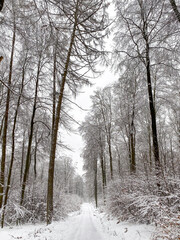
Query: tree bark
(4, 138)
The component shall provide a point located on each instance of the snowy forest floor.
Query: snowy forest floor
(87, 224)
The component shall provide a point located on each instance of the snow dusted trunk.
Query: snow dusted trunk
(56, 126)
(28, 155)
(6, 116)
(153, 116)
(95, 183)
(175, 9)
(132, 141)
(12, 150)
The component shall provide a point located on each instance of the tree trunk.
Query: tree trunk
(132, 145)
(119, 161)
(22, 157)
(175, 9)
(149, 143)
(1, 4)
(12, 152)
(4, 138)
(2, 124)
(110, 155)
(108, 138)
(153, 117)
(95, 183)
(102, 168)
(56, 127)
(28, 155)
(35, 156)
(54, 90)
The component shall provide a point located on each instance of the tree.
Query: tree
(175, 9)
(102, 103)
(125, 91)
(91, 153)
(5, 127)
(81, 56)
(142, 29)
(13, 145)
(1, 4)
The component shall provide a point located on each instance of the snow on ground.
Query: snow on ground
(87, 224)
(124, 230)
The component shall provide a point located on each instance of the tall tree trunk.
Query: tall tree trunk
(119, 161)
(1, 127)
(95, 183)
(56, 127)
(102, 166)
(108, 138)
(1, 4)
(149, 143)
(175, 9)
(4, 138)
(54, 88)
(22, 157)
(153, 116)
(12, 151)
(35, 156)
(132, 144)
(28, 155)
(110, 154)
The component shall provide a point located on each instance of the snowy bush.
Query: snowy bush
(137, 200)
(65, 204)
(34, 209)
(168, 228)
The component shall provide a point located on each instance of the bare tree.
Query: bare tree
(5, 127)
(82, 19)
(102, 101)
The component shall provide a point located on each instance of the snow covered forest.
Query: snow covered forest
(50, 50)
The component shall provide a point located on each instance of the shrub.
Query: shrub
(137, 200)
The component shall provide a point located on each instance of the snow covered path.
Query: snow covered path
(84, 226)
(87, 224)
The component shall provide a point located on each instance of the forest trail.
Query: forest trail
(84, 225)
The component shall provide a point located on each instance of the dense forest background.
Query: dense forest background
(49, 51)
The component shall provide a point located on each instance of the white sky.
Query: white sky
(75, 141)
